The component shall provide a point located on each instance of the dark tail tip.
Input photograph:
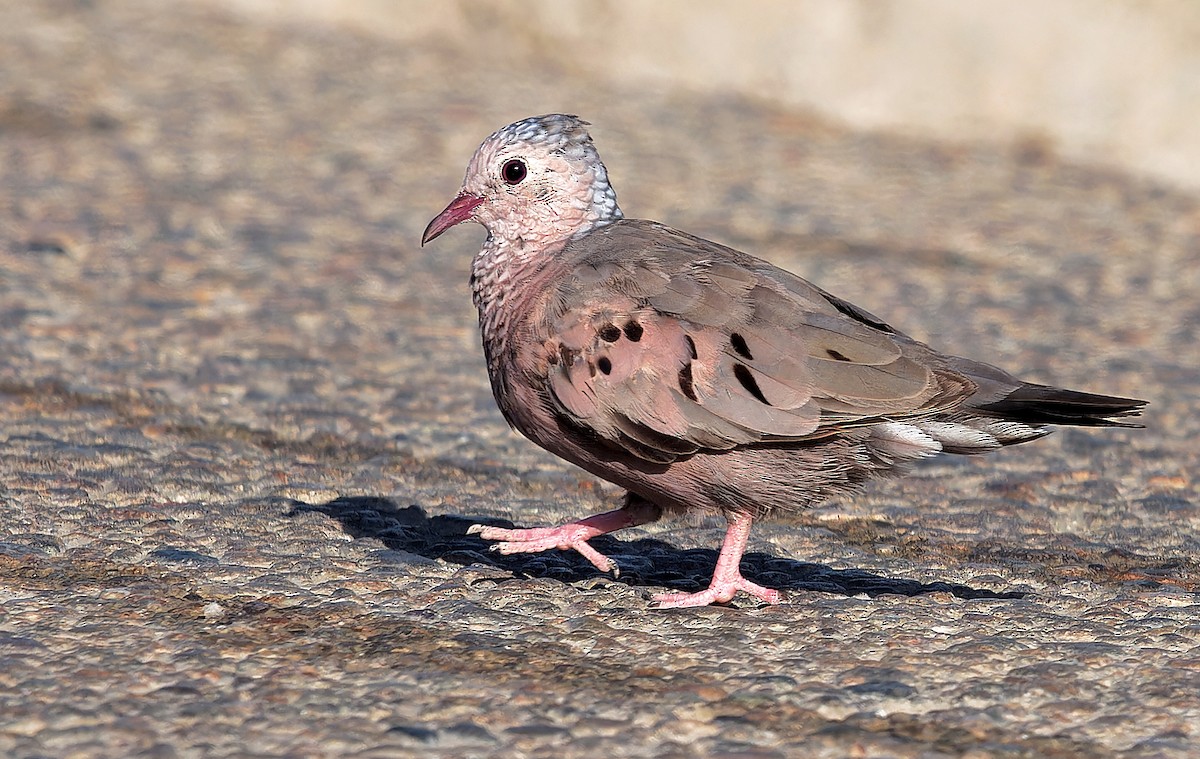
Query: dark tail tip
(1042, 404)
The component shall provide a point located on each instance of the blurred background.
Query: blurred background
(1106, 81)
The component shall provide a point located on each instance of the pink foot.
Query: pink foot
(727, 578)
(573, 535)
(720, 591)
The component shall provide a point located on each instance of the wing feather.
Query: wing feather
(664, 344)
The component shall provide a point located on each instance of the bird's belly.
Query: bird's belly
(758, 480)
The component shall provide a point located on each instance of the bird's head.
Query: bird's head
(536, 182)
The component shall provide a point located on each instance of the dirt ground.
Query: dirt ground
(244, 425)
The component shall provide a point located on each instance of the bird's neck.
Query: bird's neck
(500, 279)
(511, 269)
(501, 271)
(506, 282)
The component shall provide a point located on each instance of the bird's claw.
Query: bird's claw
(568, 536)
(720, 591)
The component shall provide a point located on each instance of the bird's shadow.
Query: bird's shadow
(644, 562)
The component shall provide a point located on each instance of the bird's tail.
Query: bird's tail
(1042, 404)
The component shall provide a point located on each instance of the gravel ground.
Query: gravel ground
(244, 424)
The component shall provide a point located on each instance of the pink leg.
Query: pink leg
(573, 534)
(727, 578)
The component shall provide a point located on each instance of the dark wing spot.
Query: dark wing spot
(567, 355)
(857, 314)
(685, 382)
(633, 331)
(745, 377)
(610, 333)
(835, 355)
(604, 364)
(691, 346)
(739, 345)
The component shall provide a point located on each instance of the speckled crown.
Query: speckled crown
(551, 128)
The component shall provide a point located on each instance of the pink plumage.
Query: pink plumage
(695, 375)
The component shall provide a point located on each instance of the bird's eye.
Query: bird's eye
(513, 171)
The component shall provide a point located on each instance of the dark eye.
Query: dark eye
(513, 171)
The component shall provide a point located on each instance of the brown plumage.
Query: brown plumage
(695, 375)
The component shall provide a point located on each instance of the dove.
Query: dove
(698, 377)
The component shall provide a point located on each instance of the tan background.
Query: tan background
(1103, 81)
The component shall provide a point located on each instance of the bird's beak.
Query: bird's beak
(459, 210)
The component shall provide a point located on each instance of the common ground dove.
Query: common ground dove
(694, 375)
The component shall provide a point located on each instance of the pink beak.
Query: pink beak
(459, 210)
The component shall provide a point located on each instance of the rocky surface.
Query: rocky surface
(244, 424)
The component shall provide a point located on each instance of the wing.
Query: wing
(665, 344)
